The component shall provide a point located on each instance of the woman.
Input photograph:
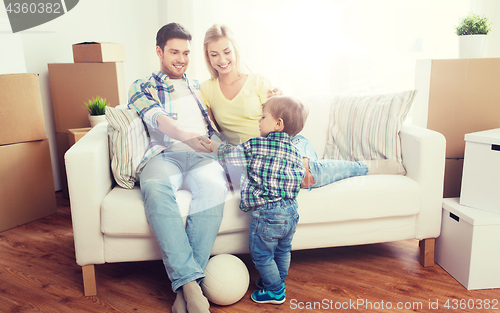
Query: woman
(234, 99)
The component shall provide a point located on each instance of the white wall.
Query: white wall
(490, 9)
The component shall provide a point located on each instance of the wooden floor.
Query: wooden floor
(38, 273)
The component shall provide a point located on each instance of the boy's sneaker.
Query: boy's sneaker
(269, 296)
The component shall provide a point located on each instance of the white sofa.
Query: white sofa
(109, 223)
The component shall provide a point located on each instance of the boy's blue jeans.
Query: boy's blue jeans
(185, 251)
(270, 240)
(327, 171)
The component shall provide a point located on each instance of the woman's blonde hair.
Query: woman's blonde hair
(215, 33)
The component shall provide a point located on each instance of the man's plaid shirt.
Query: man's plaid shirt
(274, 169)
(155, 96)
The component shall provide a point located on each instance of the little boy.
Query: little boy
(274, 173)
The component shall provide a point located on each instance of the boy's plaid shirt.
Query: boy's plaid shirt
(274, 169)
(155, 96)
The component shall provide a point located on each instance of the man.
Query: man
(179, 127)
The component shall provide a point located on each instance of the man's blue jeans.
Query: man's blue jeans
(270, 240)
(327, 171)
(185, 251)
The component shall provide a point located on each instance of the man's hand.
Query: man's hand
(275, 92)
(198, 142)
(170, 128)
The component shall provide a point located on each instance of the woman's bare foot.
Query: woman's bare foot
(195, 300)
(179, 303)
(308, 179)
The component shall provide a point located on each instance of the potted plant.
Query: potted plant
(97, 110)
(472, 31)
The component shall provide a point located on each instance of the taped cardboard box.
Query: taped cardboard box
(98, 52)
(76, 134)
(457, 97)
(73, 84)
(453, 177)
(21, 109)
(62, 140)
(27, 185)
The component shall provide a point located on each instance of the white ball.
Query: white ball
(226, 279)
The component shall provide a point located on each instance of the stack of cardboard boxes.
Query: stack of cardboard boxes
(26, 184)
(460, 99)
(97, 71)
(459, 96)
(469, 245)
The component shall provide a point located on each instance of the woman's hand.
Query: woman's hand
(275, 91)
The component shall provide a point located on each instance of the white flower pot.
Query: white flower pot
(470, 46)
(96, 119)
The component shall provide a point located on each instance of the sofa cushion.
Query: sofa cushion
(316, 126)
(128, 141)
(122, 213)
(367, 127)
(362, 197)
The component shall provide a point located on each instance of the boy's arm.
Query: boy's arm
(229, 154)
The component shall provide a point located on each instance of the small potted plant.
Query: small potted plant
(472, 31)
(97, 110)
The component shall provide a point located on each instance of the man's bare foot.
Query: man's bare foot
(195, 300)
(179, 304)
(308, 179)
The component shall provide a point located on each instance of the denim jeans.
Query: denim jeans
(270, 240)
(327, 171)
(185, 250)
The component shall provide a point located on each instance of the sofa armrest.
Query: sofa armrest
(89, 180)
(424, 153)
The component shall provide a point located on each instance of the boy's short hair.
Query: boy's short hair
(169, 31)
(290, 110)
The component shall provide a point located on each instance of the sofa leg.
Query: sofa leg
(89, 284)
(427, 251)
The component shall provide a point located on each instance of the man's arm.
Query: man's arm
(169, 127)
(147, 105)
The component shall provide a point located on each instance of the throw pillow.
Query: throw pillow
(128, 141)
(367, 127)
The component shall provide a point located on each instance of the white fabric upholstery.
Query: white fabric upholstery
(363, 197)
(109, 224)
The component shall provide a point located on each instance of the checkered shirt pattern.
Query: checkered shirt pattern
(274, 169)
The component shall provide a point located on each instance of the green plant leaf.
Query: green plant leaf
(96, 106)
(473, 24)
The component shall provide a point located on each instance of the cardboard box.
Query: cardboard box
(98, 52)
(62, 141)
(73, 84)
(481, 174)
(457, 97)
(21, 109)
(468, 247)
(27, 185)
(76, 134)
(452, 177)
